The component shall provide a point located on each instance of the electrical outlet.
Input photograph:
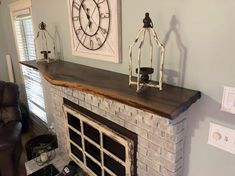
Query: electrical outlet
(228, 101)
(222, 137)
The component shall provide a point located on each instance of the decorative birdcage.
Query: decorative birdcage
(144, 73)
(45, 45)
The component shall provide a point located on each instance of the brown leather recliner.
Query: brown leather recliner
(10, 129)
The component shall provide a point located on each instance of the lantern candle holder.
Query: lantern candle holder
(44, 40)
(144, 74)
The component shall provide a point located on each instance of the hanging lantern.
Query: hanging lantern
(144, 73)
(46, 45)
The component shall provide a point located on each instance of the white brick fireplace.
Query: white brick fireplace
(160, 140)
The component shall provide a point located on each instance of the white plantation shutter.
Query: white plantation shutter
(32, 79)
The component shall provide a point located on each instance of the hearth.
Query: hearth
(98, 145)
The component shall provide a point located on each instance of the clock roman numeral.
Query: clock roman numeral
(98, 40)
(100, 2)
(106, 15)
(104, 31)
(78, 30)
(76, 5)
(91, 44)
(75, 18)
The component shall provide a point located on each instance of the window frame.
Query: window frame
(20, 7)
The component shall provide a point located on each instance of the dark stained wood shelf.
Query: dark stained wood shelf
(169, 102)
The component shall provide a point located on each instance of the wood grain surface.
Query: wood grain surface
(169, 102)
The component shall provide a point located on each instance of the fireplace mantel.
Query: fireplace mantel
(169, 102)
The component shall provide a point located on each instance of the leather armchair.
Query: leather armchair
(10, 129)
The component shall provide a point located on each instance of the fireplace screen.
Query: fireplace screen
(96, 148)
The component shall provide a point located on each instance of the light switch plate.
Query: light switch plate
(222, 137)
(228, 101)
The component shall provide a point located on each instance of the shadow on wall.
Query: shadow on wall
(203, 112)
(58, 45)
(175, 76)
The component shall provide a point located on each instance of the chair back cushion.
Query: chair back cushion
(9, 102)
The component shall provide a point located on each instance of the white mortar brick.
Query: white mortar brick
(143, 141)
(68, 91)
(141, 172)
(162, 119)
(76, 93)
(153, 172)
(81, 96)
(144, 126)
(154, 156)
(173, 166)
(128, 119)
(88, 98)
(180, 118)
(130, 110)
(172, 156)
(98, 111)
(155, 147)
(95, 101)
(176, 138)
(132, 127)
(166, 172)
(142, 166)
(174, 147)
(142, 150)
(151, 164)
(174, 129)
(119, 121)
(160, 140)
(73, 99)
(120, 106)
(156, 139)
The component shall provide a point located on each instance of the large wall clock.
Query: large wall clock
(95, 29)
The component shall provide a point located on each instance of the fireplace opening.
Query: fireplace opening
(98, 145)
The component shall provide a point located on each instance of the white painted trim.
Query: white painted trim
(117, 35)
(19, 5)
(124, 141)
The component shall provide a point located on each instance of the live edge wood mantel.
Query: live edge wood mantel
(169, 102)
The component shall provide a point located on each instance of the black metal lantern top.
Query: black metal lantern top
(147, 21)
(42, 26)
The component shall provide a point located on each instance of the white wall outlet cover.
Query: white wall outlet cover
(228, 101)
(222, 137)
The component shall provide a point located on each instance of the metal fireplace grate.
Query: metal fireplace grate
(95, 147)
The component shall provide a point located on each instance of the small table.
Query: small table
(59, 162)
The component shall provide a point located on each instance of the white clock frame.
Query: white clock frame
(112, 49)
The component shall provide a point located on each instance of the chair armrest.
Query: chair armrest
(10, 134)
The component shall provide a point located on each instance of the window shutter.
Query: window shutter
(32, 79)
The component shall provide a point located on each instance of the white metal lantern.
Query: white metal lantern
(144, 73)
(45, 44)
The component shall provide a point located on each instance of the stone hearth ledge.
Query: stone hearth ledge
(168, 103)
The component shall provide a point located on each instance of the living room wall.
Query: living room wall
(3, 70)
(7, 46)
(199, 46)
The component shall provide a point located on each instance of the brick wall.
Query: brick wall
(160, 140)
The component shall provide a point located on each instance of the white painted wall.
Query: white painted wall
(3, 70)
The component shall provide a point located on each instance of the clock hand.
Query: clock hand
(86, 10)
(88, 17)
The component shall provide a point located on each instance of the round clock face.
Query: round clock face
(91, 22)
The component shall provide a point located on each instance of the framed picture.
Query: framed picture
(95, 27)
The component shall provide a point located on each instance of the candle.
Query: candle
(44, 157)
